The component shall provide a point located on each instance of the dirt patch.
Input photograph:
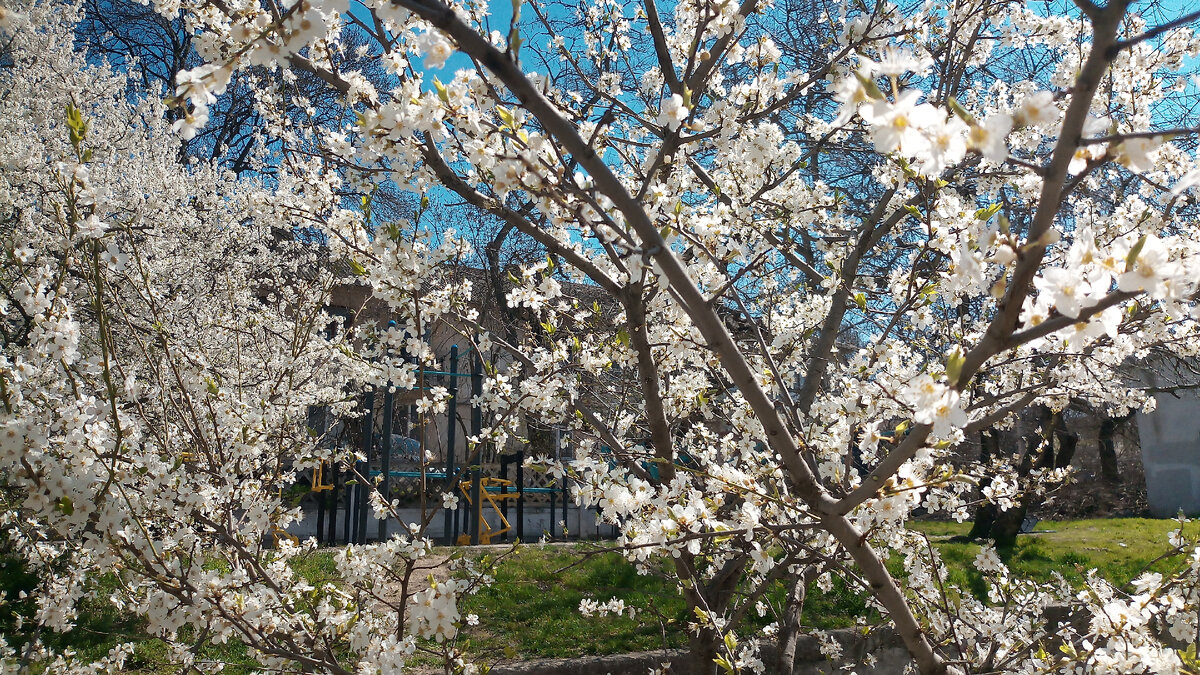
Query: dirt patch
(435, 567)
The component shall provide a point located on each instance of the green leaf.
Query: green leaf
(957, 109)
(869, 84)
(66, 505)
(623, 337)
(1131, 259)
(860, 299)
(357, 268)
(441, 91)
(985, 214)
(506, 117)
(954, 365)
(76, 127)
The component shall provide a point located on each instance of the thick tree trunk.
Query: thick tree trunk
(1039, 453)
(702, 652)
(713, 597)
(1004, 526)
(1108, 450)
(985, 513)
(1067, 444)
(789, 630)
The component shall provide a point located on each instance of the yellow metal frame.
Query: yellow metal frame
(280, 533)
(486, 533)
(318, 478)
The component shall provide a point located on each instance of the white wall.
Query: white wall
(1170, 440)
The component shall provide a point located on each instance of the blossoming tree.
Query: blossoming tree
(162, 344)
(827, 267)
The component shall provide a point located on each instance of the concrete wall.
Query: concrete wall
(1170, 440)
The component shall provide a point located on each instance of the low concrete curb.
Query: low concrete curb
(616, 664)
(890, 657)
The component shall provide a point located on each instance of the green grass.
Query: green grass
(99, 626)
(317, 567)
(1120, 549)
(532, 609)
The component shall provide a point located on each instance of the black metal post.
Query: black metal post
(520, 495)
(385, 459)
(504, 489)
(348, 525)
(320, 427)
(364, 467)
(476, 431)
(332, 498)
(558, 448)
(451, 520)
(320, 516)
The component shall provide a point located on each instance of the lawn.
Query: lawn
(1119, 548)
(532, 610)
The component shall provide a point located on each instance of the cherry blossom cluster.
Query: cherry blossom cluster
(778, 284)
(162, 346)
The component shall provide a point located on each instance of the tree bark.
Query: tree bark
(1067, 444)
(789, 631)
(985, 513)
(1109, 470)
(702, 652)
